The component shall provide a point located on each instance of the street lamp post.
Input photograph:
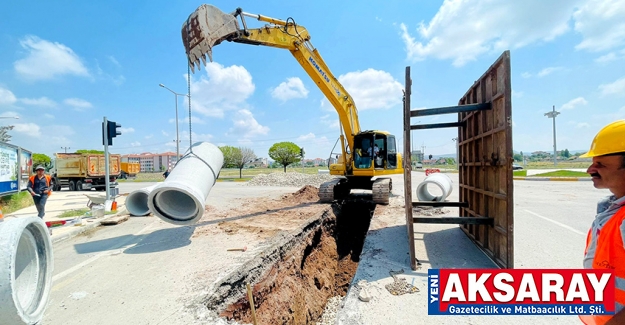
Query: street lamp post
(177, 134)
(553, 115)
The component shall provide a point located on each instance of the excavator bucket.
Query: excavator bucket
(206, 27)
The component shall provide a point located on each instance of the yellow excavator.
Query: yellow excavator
(365, 155)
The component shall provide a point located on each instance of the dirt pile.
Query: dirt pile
(307, 193)
(294, 179)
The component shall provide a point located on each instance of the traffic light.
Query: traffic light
(301, 152)
(112, 131)
(430, 157)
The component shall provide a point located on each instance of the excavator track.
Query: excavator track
(381, 190)
(326, 190)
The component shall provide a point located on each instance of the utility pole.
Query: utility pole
(423, 150)
(65, 148)
(553, 115)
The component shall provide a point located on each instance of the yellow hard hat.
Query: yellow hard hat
(611, 139)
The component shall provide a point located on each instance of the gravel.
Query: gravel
(294, 179)
(329, 313)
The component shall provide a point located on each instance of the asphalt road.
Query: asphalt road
(135, 272)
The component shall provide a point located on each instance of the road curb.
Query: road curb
(553, 179)
(80, 229)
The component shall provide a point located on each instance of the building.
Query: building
(417, 155)
(152, 162)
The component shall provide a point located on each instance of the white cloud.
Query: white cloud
(582, 125)
(574, 102)
(526, 75)
(29, 129)
(223, 88)
(305, 137)
(547, 71)
(372, 89)
(135, 144)
(7, 97)
(292, 88)
(114, 61)
(10, 114)
(185, 121)
(48, 115)
(332, 123)
(463, 30)
(46, 60)
(150, 136)
(246, 126)
(77, 103)
(616, 87)
(42, 102)
(517, 94)
(612, 56)
(601, 24)
(165, 133)
(126, 130)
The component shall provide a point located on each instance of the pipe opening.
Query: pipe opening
(30, 269)
(176, 205)
(137, 204)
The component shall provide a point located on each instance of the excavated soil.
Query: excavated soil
(265, 217)
(296, 288)
(312, 255)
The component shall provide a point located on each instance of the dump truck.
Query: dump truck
(83, 171)
(130, 169)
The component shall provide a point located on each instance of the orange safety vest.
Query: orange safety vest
(48, 178)
(609, 254)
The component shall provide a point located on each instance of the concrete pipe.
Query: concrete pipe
(442, 181)
(180, 198)
(137, 201)
(26, 264)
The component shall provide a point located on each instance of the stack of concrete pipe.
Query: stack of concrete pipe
(26, 265)
(181, 197)
(440, 180)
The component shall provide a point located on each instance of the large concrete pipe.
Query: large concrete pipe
(442, 181)
(137, 201)
(26, 264)
(180, 198)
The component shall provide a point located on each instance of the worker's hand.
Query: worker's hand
(32, 193)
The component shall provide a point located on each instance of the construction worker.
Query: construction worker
(39, 188)
(605, 246)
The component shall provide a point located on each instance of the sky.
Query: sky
(64, 67)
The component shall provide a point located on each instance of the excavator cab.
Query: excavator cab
(375, 150)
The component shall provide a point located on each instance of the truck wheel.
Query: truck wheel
(53, 184)
(26, 272)
(78, 185)
(72, 185)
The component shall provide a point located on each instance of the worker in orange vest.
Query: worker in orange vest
(605, 248)
(39, 188)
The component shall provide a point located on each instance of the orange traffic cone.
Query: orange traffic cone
(114, 206)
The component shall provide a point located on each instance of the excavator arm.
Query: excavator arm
(208, 26)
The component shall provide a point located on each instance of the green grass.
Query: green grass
(72, 213)
(521, 173)
(14, 202)
(563, 173)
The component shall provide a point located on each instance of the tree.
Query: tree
(230, 153)
(566, 153)
(4, 133)
(40, 159)
(285, 153)
(243, 156)
(518, 157)
(89, 151)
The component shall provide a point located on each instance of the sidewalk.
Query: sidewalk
(63, 201)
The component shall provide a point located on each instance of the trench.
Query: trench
(293, 279)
